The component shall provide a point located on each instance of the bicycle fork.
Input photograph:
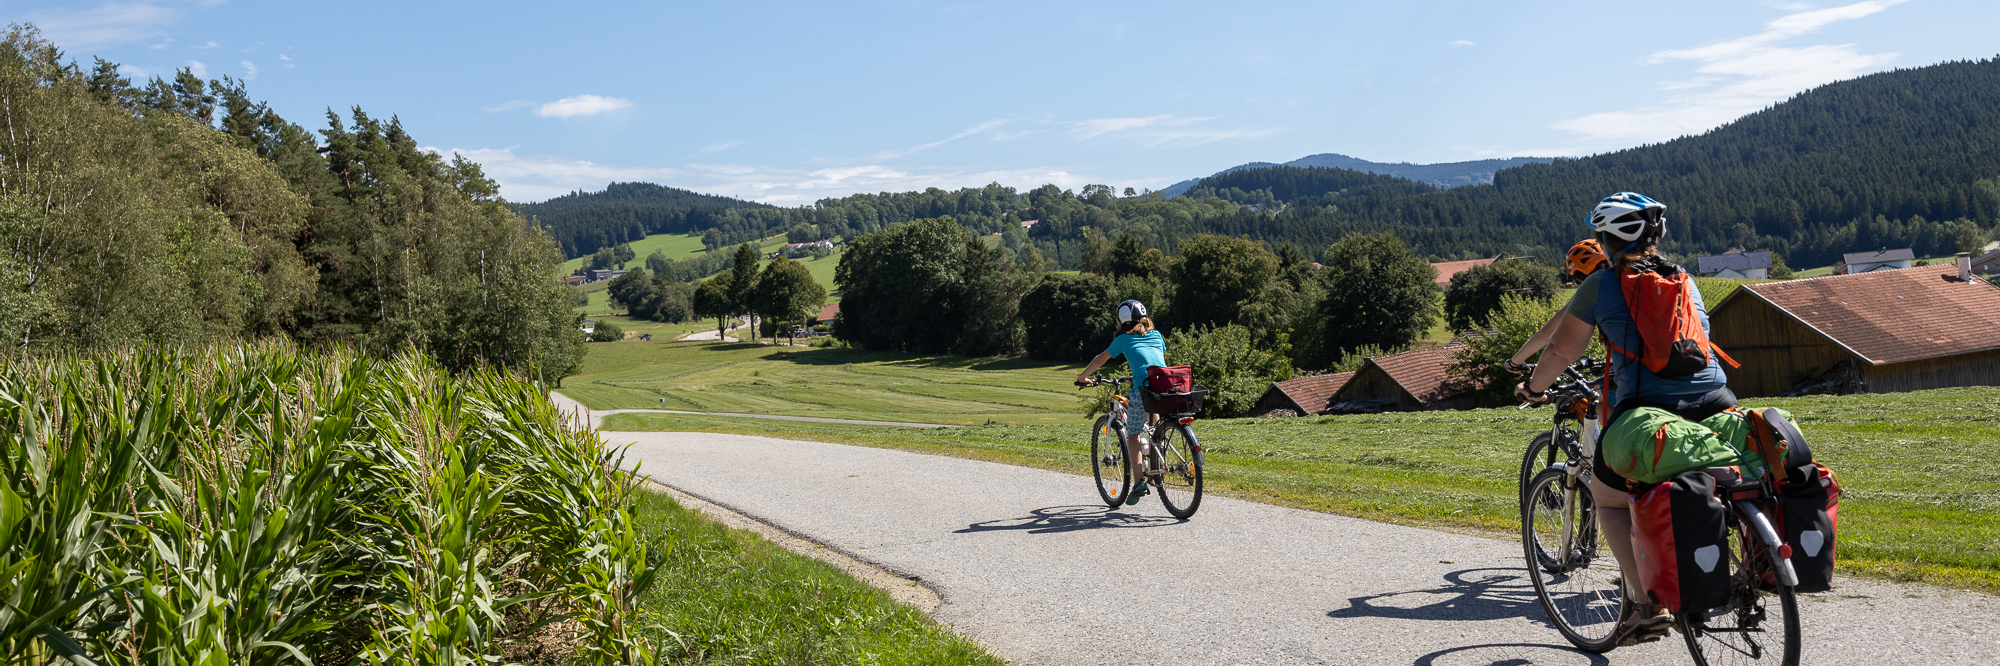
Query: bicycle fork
(1774, 548)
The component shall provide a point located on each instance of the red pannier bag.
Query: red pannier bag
(1680, 546)
(1660, 295)
(1169, 379)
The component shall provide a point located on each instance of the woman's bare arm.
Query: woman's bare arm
(1095, 363)
(1567, 344)
(1537, 341)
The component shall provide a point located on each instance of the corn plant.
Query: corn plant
(259, 504)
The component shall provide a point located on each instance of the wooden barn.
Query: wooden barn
(1897, 330)
(1410, 381)
(1301, 396)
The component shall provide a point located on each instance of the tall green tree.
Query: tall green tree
(712, 299)
(787, 293)
(1216, 277)
(1475, 293)
(1067, 317)
(1377, 293)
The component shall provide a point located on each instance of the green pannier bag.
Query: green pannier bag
(1652, 445)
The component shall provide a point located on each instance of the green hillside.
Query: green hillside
(674, 246)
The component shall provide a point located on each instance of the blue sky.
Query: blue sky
(792, 102)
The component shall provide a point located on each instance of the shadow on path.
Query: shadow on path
(1057, 519)
(1511, 654)
(1468, 595)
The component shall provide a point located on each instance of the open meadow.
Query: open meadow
(1920, 470)
(834, 383)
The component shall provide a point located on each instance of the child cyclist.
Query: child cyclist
(1142, 348)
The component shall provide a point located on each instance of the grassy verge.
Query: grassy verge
(836, 383)
(1922, 470)
(725, 596)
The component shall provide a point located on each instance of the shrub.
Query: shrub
(1475, 292)
(1482, 361)
(1229, 363)
(607, 332)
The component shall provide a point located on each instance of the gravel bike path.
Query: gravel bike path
(1032, 566)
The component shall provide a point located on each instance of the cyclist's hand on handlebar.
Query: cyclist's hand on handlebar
(1522, 393)
(1518, 368)
(1084, 383)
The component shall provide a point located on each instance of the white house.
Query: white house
(1879, 260)
(1754, 265)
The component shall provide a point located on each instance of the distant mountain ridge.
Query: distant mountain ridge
(1444, 174)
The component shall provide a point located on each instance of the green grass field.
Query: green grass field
(835, 383)
(725, 596)
(674, 246)
(1921, 470)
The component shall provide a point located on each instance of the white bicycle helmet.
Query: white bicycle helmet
(1130, 311)
(1629, 216)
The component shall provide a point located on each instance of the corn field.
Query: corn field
(260, 504)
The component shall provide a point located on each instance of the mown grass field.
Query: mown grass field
(674, 246)
(835, 383)
(726, 596)
(1922, 470)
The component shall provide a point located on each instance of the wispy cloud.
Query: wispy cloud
(538, 177)
(581, 105)
(286, 59)
(893, 154)
(110, 25)
(1736, 77)
(719, 146)
(199, 69)
(249, 69)
(210, 45)
(1162, 131)
(510, 105)
(1463, 42)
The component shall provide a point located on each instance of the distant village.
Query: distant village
(1880, 323)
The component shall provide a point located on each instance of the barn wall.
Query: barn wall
(1981, 369)
(1776, 352)
(1371, 383)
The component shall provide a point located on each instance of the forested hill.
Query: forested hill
(1445, 174)
(1901, 158)
(1276, 184)
(581, 222)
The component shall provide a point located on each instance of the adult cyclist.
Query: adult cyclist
(1629, 226)
(1142, 348)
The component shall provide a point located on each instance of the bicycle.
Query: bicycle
(1578, 583)
(1173, 455)
(1573, 431)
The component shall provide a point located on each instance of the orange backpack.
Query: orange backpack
(1660, 295)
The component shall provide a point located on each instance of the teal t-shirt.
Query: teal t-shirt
(1140, 352)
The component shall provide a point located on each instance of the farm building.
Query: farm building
(826, 314)
(1753, 265)
(1879, 332)
(1987, 264)
(1446, 269)
(1410, 381)
(1879, 260)
(1301, 396)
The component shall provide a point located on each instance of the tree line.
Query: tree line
(178, 210)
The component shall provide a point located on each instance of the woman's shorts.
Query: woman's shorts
(1135, 413)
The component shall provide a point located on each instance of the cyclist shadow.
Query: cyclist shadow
(1472, 595)
(1058, 519)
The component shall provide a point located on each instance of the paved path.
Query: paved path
(1028, 564)
(585, 417)
(712, 336)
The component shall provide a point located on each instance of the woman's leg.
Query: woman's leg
(1614, 519)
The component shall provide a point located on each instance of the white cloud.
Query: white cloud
(1736, 77)
(538, 177)
(208, 46)
(581, 105)
(250, 69)
(719, 146)
(892, 154)
(111, 25)
(1463, 42)
(282, 56)
(1162, 131)
(199, 69)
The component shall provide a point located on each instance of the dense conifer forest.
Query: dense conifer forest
(1902, 158)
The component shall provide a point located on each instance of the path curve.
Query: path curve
(1028, 563)
(585, 417)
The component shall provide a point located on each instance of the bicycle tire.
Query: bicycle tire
(1181, 471)
(1579, 591)
(1728, 636)
(1531, 461)
(1107, 450)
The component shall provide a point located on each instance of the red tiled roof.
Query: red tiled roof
(1893, 316)
(1315, 392)
(1446, 269)
(1422, 372)
(827, 313)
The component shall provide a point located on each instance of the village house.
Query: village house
(575, 280)
(827, 314)
(1879, 260)
(1410, 381)
(1987, 264)
(1735, 264)
(1883, 331)
(1446, 269)
(1300, 396)
(604, 274)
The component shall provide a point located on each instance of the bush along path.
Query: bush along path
(263, 505)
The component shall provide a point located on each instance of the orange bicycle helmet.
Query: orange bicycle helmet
(1584, 258)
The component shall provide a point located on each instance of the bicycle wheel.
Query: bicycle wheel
(1569, 562)
(1759, 626)
(1541, 455)
(1107, 461)
(1180, 464)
